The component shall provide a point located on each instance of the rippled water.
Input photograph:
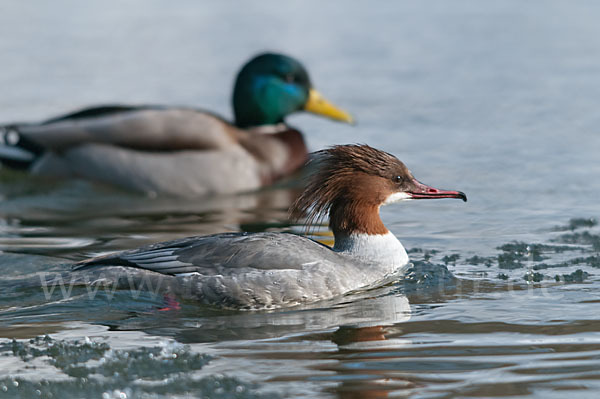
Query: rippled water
(499, 100)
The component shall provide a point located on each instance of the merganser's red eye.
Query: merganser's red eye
(398, 179)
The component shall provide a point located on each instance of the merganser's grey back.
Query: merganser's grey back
(223, 253)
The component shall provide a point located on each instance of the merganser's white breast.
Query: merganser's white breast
(382, 248)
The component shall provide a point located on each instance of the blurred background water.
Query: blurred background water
(497, 99)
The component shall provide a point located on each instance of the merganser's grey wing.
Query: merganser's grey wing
(221, 254)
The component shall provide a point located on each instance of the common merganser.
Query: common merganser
(176, 150)
(267, 270)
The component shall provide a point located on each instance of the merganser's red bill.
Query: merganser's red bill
(423, 191)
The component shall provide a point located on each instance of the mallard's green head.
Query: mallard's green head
(271, 86)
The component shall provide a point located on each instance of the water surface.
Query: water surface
(499, 100)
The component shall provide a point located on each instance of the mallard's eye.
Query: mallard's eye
(289, 78)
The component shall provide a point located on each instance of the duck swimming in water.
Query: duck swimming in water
(349, 183)
(179, 151)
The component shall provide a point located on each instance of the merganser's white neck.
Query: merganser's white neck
(382, 249)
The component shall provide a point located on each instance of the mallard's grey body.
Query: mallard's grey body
(174, 151)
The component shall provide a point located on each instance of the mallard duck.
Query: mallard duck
(178, 150)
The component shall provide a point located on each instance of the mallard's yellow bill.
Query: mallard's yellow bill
(317, 104)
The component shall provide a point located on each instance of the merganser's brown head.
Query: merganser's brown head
(350, 182)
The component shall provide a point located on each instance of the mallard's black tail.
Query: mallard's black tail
(16, 151)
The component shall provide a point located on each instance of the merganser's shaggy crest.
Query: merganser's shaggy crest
(266, 270)
(179, 151)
